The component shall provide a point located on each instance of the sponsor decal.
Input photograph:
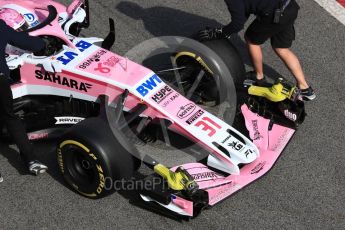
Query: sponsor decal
(101, 184)
(68, 120)
(150, 84)
(113, 61)
(95, 58)
(29, 17)
(258, 168)
(248, 152)
(102, 69)
(204, 175)
(257, 135)
(291, 116)
(69, 56)
(10, 58)
(170, 99)
(208, 125)
(226, 191)
(281, 142)
(60, 19)
(226, 139)
(35, 23)
(64, 81)
(162, 94)
(194, 117)
(37, 136)
(186, 110)
(236, 145)
(103, 62)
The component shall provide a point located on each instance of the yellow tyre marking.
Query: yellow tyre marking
(185, 53)
(99, 167)
(197, 58)
(93, 156)
(60, 160)
(71, 142)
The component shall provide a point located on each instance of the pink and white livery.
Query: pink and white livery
(74, 72)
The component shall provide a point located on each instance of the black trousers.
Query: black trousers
(14, 125)
(281, 34)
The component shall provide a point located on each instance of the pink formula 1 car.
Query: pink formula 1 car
(91, 98)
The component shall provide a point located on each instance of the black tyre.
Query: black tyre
(91, 158)
(223, 69)
(230, 56)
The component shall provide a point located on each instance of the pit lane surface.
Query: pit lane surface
(305, 190)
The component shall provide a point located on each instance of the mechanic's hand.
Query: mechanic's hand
(209, 34)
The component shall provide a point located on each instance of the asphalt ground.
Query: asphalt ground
(305, 189)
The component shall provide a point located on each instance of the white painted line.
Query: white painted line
(334, 8)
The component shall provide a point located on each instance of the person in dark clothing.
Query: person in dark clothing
(14, 125)
(275, 21)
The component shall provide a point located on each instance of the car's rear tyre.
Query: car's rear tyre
(91, 158)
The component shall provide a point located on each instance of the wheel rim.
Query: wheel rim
(194, 81)
(80, 166)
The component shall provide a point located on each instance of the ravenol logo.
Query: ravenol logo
(149, 85)
(70, 56)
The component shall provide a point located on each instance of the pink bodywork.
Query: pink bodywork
(112, 67)
(93, 66)
(98, 86)
(220, 187)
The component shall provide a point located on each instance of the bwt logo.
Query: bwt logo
(149, 85)
(70, 56)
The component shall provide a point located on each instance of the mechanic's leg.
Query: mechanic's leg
(257, 33)
(293, 64)
(257, 59)
(13, 123)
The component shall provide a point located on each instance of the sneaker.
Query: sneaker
(36, 168)
(307, 94)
